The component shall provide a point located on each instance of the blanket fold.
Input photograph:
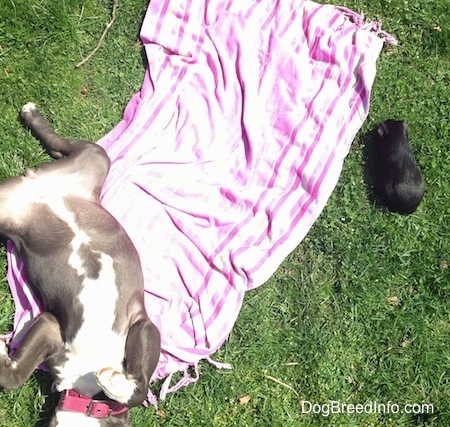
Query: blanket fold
(227, 155)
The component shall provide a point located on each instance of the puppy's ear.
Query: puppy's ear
(382, 130)
(405, 126)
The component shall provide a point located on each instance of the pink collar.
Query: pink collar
(72, 401)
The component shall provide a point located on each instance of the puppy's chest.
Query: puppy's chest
(76, 278)
(65, 418)
(96, 343)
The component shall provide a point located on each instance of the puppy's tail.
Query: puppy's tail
(55, 144)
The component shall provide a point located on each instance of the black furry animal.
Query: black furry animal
(399, 181)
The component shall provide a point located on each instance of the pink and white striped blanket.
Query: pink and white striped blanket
(227, 155)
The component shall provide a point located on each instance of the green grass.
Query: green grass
(359, 312)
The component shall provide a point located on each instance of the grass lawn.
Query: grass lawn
(358, 313)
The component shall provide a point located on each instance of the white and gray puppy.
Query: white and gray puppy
(94, 334)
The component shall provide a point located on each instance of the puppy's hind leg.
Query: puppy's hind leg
(56, 145)
(142, 351)
(74, 155)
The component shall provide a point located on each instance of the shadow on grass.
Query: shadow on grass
(51, 399)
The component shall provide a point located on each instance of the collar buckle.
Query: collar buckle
(98, 409)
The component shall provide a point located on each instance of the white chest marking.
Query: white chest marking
(75, 419)
(96, 345)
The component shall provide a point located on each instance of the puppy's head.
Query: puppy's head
(393, 130)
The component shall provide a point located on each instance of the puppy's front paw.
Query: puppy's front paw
(8, 368)
(3, 349)
(5, 361)
(116, 385)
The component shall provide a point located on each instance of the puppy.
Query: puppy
(399, 181)
(94, 334)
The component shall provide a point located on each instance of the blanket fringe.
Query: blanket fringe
(218, 365)
(186, 380)
(375, 26)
